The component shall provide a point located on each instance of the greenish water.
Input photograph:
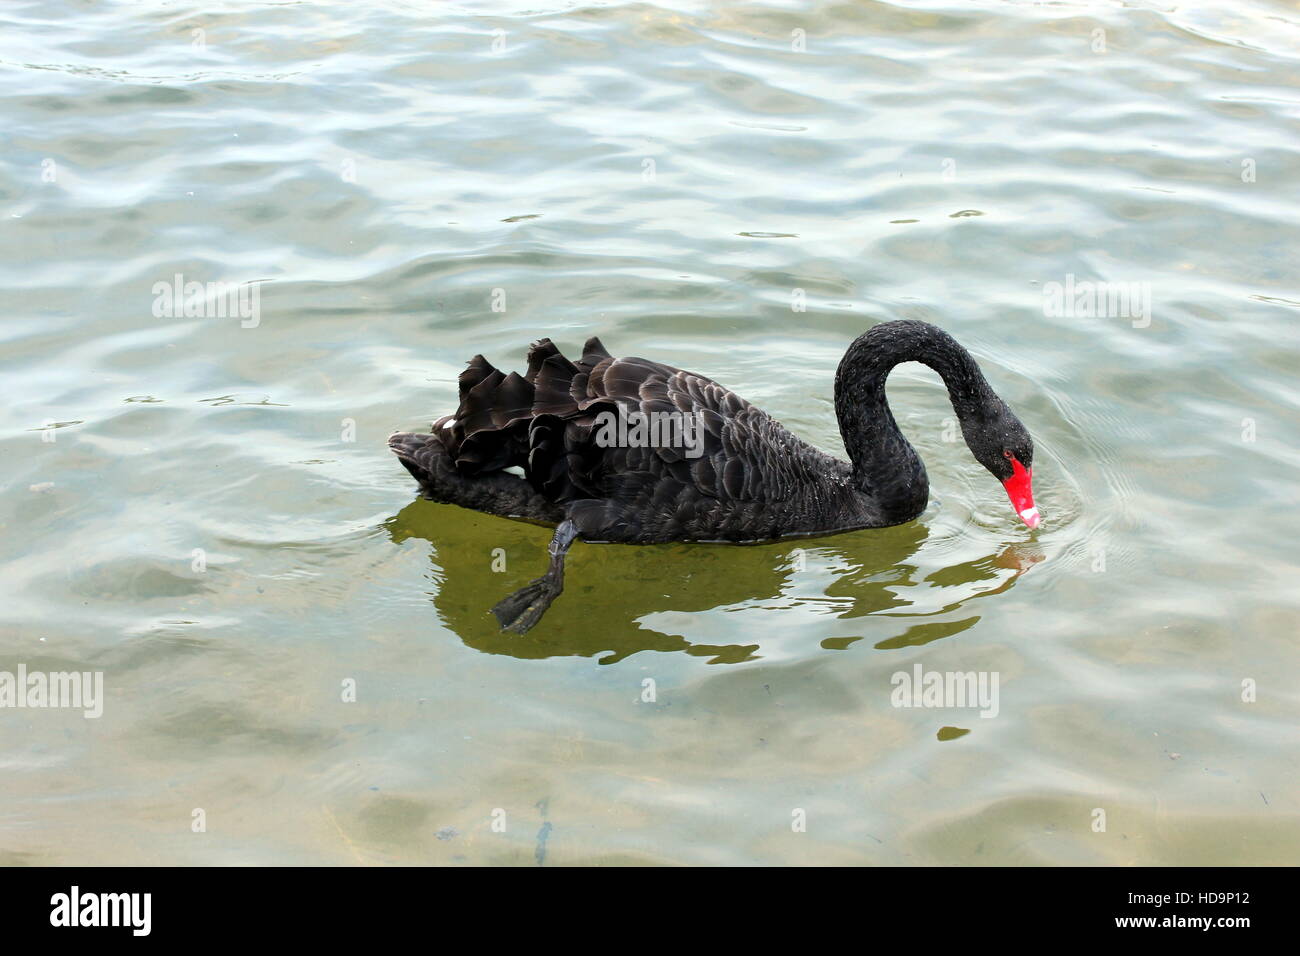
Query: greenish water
(207, 513)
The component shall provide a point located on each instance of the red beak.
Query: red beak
(1020, 490)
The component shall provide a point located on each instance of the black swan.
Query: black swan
(629, 450)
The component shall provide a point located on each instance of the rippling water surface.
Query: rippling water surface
(204, 508)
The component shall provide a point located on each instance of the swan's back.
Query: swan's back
(718, 468)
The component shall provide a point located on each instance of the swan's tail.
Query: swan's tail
(424, 456)
(500, 493)
(537, 422)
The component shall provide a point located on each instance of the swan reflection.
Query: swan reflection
(729, 603)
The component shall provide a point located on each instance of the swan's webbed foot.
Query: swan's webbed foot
(520, 611)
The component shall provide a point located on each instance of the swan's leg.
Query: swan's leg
(521, 610)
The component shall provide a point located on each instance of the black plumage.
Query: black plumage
(731, 473)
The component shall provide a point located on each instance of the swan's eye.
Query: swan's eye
(1006, 454)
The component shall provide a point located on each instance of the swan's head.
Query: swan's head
(1003, 446)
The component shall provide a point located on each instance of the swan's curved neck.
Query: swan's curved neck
(886, 467)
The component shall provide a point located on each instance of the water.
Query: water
(184, 511)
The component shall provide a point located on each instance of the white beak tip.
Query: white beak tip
(1031, 517)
